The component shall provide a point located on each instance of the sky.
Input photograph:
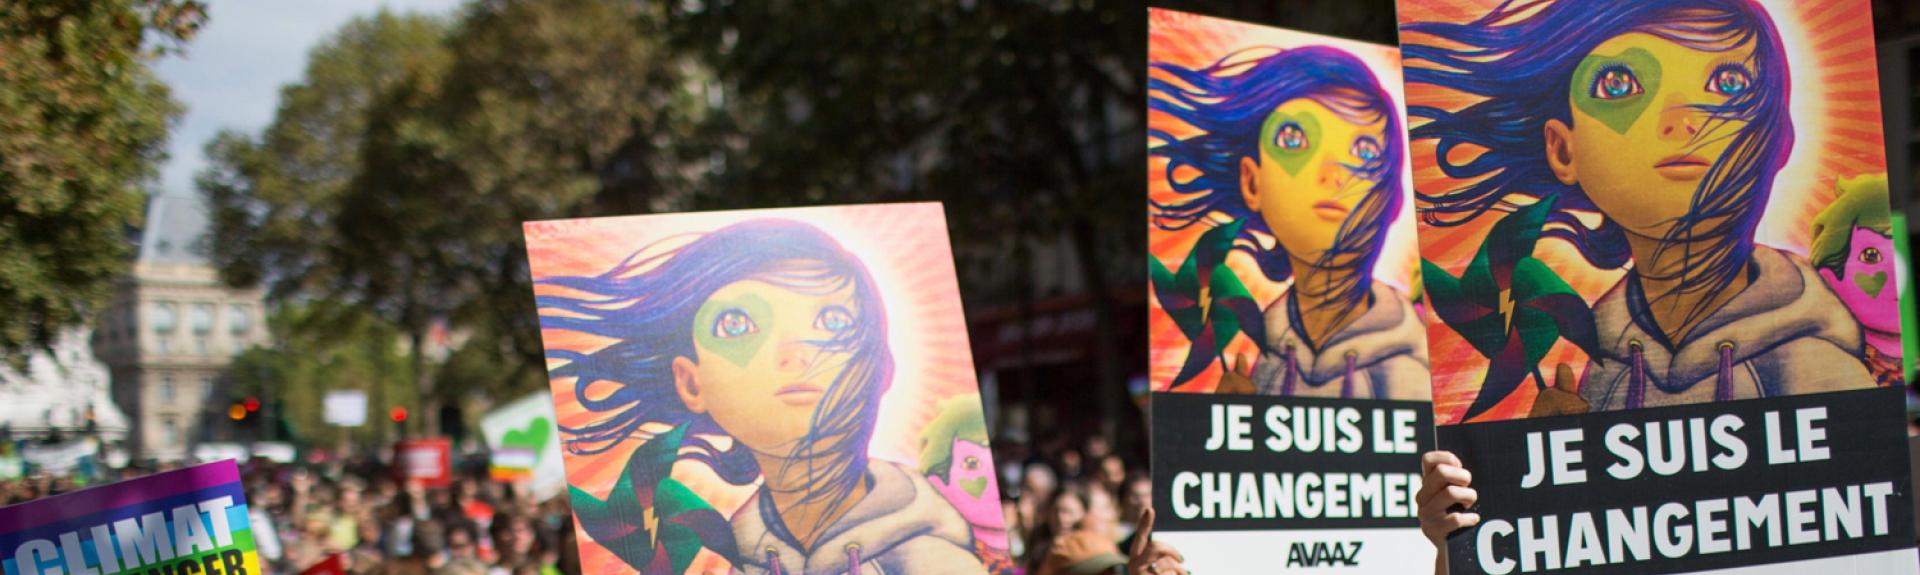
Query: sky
(232, 71)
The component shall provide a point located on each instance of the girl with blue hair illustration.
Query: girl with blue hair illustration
(770, 334)
(1669, 120)
(1300, 155)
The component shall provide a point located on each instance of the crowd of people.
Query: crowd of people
(1069, 511)
(358, 518)
(1075, 509)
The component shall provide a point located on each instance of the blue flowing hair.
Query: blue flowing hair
(648, 302)
(1229, 101)
(1521, 58)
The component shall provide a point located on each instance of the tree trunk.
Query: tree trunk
(429, 407)
(1106, 345)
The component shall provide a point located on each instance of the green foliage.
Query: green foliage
(1024, 117)
(396, 173)
(321, 346)
(82, 124)
(274, 199)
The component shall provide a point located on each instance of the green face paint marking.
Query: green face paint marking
(1871, 284)
(739, 350)
(974, 486)
(1618, 114)
(1290, 160)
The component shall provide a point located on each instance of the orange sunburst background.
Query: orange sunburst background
(904, 247)
(1836, 116)
(1191, 40)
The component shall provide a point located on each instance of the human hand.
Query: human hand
(1237, 378)
(1561, 399)
(1149, 557)
(1444, 485)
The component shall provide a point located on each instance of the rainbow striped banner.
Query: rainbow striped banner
(190, 521)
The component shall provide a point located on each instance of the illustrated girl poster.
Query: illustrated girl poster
(1657, 248)
(1279, 215)
(1282, 267)
(769, 391)
(1640, 204)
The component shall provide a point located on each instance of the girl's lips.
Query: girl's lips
(799, 394)
(1330, 211)
(1682, 167)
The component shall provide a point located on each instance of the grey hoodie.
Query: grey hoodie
(1785, 334)
(901, 526)
(1381, 355)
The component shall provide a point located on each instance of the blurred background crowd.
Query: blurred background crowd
(357, 509)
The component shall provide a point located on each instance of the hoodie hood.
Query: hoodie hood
(1387, 330)
(902, 520)
(1785, 302)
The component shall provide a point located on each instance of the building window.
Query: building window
(206, 388)
(239, 320)
(165, 315)
(166, 390)
(169, 432)
(200, 345)
(202, 318)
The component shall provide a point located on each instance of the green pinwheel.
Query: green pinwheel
(1207, 301)
(1510, 306)
(651, 521)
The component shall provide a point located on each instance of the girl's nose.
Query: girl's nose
(1680, 120)
(795, 356)
(1333, 175)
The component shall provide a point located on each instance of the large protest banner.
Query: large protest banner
(189, 521)
(767, 391)
(1658, 244)
(1289, 361)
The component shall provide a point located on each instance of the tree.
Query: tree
(1023, 117)
(272, 198)
(83, 122)
(519, 110)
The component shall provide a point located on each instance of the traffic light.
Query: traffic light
(399, 414)
(251, 403)
(237, 412)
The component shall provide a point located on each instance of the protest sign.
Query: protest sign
(526, 445)
(428, 460)
(1658, 247)
(1288, 355)
(721, 377)
(191, 520)
(345, 407)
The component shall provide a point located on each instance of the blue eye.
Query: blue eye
(1730, 80)
(1367, 149)
(834, 319)
(1291, 136)
(1615, 82)
(734, 323)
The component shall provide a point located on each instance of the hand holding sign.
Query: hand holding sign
(1149, 557)
(1443, 485)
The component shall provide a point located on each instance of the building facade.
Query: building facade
(170, 332)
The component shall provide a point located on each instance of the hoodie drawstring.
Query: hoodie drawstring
(1286, 383)
(853, 560)
(1637, 384)
(773, 561)
(1723, 389)
(1346, 387)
